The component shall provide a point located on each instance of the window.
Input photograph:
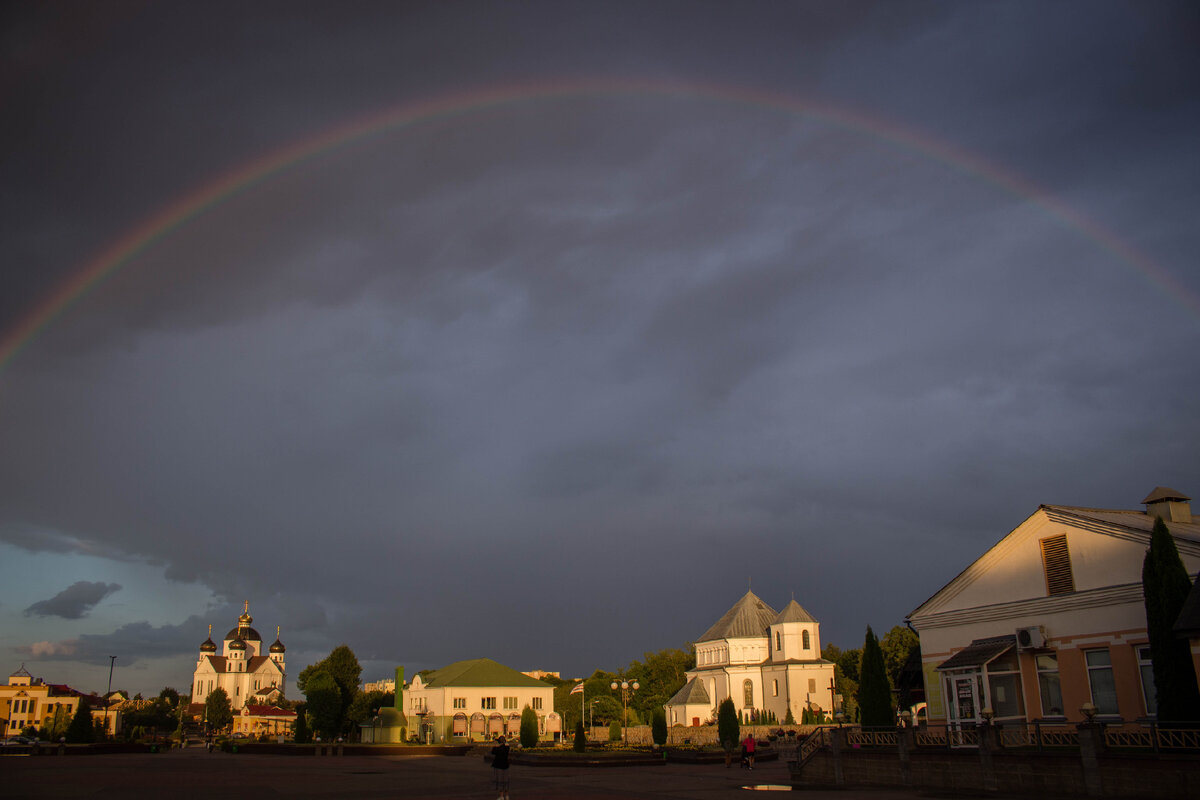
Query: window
(1147, 673)
(1004, 686)
(775, 688)
(460, 702)
(1056, 561)
(748, 694)
(488, 702)
(804, 640)
(1048, 685)
(778, 640)
(812, 685)
(537, 704)
(1100, 677)
(510, 702)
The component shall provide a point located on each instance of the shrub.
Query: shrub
(658, 727)
(529, 728)
(614, 730)
(580, 738)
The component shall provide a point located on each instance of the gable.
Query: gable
(1097, 554)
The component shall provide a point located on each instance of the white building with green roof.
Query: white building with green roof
(766, 660)
(477, 699)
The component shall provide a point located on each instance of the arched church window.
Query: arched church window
(805, 642)
(748, 693)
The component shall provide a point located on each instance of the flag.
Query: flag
(578, 689)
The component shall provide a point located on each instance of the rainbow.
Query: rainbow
(187, 207)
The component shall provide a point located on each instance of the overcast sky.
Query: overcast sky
(828, 297)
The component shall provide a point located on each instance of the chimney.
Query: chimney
(1171, 505)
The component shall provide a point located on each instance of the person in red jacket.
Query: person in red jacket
(748, 749)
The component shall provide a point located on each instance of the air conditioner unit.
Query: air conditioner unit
(1031, 638)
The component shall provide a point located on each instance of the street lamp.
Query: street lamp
(111, 660)
(627, 689)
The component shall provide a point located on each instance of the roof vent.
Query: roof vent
(1170, 504)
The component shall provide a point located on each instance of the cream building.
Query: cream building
(245, 670)
(477, 699)
(1051, 617)
(26, 701)
(766, 660)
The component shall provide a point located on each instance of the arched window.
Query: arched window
(748, 694)
(804, 640)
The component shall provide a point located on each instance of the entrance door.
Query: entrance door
(964, 708)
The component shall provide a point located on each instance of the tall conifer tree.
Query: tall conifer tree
(874, 690)
(1165, 587)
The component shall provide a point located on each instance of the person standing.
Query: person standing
(748, 749)
(500, 767)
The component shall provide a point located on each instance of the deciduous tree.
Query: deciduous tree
(324, 704)
(217, 710)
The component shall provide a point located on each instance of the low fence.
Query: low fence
(700, 735)
(1125, 761)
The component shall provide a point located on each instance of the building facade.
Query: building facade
(477, 699)
(29, 702)
(247, 672)
(1051, 618)
(766, 660)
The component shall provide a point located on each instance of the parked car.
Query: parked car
(19, 741)
(239, 735)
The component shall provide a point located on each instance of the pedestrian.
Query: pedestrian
(748, 749)
(500, 767)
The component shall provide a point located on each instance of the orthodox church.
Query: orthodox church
(766, 660)
(247, 673)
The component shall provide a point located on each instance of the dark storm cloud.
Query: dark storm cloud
(595, 342)
(75, 601)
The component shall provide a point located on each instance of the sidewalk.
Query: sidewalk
(194, 773)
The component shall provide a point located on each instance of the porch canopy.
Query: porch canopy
(978, 653)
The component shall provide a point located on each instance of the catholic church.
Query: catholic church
(766, 660)
(247, 673)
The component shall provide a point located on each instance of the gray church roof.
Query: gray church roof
(793, 612)
(692, 693)
(749, 617)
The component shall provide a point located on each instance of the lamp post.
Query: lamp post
(627, 689)
(111, 660)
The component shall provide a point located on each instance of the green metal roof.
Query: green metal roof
(480, 672)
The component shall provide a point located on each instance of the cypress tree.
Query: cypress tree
(874, 690)
(728, 730)
(81, 731)
(529, 727)
(580, 738)
(1165, 587)
(658, 727)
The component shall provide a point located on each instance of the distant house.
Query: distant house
(477, 699)
(766, 660)
(1051, 618)
(258, 720)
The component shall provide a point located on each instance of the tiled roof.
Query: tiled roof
(693, 693)
(749, 617)
(793, 612)
(266, 711)
(480, 672)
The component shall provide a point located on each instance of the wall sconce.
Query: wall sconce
(987, 713)
(1088, 710)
